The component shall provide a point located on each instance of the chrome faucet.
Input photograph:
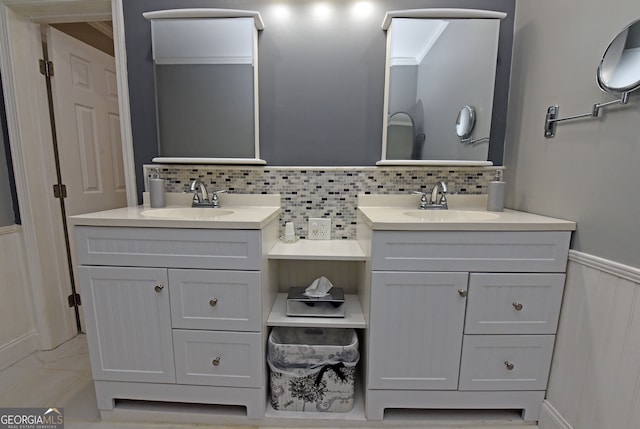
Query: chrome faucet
(440, 188)
(201, 196)
(440, 203)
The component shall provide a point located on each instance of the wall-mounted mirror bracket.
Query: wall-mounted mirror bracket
(470, 141)
(551, 120)
(618, 73)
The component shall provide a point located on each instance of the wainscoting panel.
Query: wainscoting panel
(595, 374)
(18, 336)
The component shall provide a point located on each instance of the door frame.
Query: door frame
(32, 151)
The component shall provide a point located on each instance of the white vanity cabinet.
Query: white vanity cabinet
(176, 314)
(462, 319)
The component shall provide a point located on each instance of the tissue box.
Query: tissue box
(330, 305)
(312, 369)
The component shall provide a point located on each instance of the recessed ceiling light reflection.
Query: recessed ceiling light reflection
(322, 11)
(281, 12)
(362, 9)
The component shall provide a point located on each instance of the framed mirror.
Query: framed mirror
(205, 69)
(440, 62)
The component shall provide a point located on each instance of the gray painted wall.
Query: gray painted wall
(321, 81)
(590, 172)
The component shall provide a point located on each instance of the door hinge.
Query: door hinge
(59, 191)
(46, 68)
(74, 299)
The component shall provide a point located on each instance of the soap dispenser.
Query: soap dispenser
(495, 197)
(156, 190)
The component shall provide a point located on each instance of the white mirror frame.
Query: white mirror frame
(426, 13)
(218, 13)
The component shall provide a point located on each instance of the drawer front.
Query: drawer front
(233, 359)
(484, 251)
(215, 300)
(505, 362)
(514, 303)
(169, 248)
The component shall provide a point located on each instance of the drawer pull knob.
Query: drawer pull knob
(517, 306)
(213, 302)
(462, 292)
(509, 365)
(159, 288)
(216, 361)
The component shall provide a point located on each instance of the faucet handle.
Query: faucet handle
(214, 197)
(423, 199)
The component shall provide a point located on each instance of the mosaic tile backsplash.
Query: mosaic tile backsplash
(326, 191)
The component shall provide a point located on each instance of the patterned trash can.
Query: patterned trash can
(312, 369)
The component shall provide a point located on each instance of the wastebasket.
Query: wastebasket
(312, 369)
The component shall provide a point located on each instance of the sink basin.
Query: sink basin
(451, 215)
(204, 213)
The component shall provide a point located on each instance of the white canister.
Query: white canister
(289, 232)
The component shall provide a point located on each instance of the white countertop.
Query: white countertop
(249, 212)
(389, 212)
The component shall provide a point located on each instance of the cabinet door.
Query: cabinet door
(415, 335)
(128, 323)
(216, 300)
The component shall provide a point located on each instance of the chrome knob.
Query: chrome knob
(509, 365)
(463, 293)
(159, 288)
(517, 306)
(216, 361)
(213, 301)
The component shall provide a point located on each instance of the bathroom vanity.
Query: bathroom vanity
(175, 307)
(463, 306)
(455, 309)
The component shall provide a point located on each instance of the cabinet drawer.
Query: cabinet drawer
(505, 362)
(215, 358)
(169, 248)
(215, 300)
(492, 251)
(514, 303)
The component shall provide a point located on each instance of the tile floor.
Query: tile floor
(62, 378)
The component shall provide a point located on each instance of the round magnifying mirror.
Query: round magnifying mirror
(619, 70)
(465, 122)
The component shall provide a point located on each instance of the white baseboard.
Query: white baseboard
(550, 418)
(18, 348)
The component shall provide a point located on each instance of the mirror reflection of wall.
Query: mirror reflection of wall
(206, 95)
(436, 66)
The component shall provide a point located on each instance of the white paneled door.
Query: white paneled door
(85, 100)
